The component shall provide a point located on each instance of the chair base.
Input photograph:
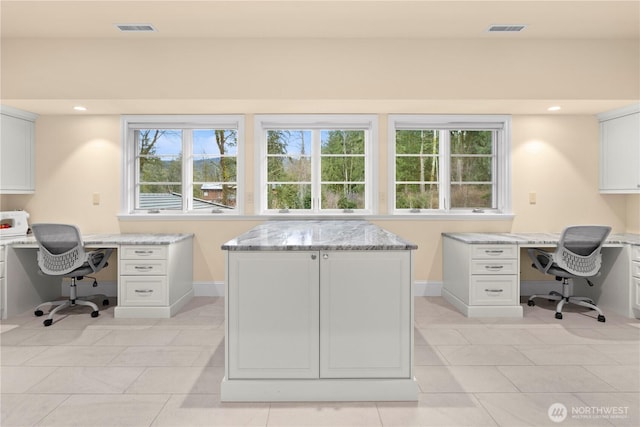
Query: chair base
(564, 298)
(73, 301)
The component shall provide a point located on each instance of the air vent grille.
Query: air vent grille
(506, 28)
(136, 28)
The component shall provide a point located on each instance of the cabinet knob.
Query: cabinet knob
(325, 256)
(313, 256)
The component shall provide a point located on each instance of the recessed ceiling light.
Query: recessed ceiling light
(80, 108)
(136, 28)
(510, 28)
(554, 108)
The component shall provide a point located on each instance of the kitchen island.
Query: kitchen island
(318, 310)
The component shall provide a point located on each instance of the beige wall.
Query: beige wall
(302, 69)
(554, 156)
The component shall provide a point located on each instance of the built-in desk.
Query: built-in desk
(481, 272)
(155, 273)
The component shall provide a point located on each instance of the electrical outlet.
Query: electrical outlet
(532, 198)
(96, 199)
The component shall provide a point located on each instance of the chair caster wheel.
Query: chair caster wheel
(105, 302)
(559, 316)
(48, 322)
(601, 318)
(38, 313)
(95, 313)
(531, 303)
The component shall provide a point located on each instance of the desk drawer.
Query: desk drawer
(482, 266)
(494, 251)
(635, 252)
(144, 291)
(143, 252)
(493, 290)
(635, 268)
(143, 268)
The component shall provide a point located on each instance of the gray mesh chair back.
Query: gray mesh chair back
(61, 248)
(578, 251)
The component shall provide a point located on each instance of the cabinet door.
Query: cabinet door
(365, 314)
(16, 155)
(273, 314)
(620, 154)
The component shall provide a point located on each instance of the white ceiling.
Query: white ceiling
(322, 18)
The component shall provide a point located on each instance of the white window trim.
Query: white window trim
(368, 122)
(127, 193)
(502, 162)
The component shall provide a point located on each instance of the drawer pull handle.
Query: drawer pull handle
(143, 252)
(494, 267)
(493, 251)
(493, 290)
(143, 291)
(143, 267)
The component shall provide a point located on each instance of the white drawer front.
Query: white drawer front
(635, 282)
(635, 252)
(507, 266)
(493, 290)
(143, 252)
(143, 268)
(2, 268)
(149, 291)
(494, 251)
(635, 268)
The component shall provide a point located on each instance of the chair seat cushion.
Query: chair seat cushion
(85, 269)
(554, 269)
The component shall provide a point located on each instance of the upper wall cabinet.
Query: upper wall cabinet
(620, 150)
(17, 173)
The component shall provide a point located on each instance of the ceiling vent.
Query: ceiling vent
(506, 28)
(136, 28)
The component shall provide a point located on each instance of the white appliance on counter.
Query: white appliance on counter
(13, 224)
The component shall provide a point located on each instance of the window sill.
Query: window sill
(266, 217)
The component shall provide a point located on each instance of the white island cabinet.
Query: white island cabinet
(319, 310)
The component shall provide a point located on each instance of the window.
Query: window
(182, 164)
(315, 164)
(450, 164)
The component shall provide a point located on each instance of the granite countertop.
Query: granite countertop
(534, 238)
(286, 235)
(112, 239)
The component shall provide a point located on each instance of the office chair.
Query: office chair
(577, 255)
(61, 253)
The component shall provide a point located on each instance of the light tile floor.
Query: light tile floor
(472, 372)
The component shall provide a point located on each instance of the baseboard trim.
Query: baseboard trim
(85, 288)
(208, 289)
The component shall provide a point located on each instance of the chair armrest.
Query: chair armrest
(534, 253)
(91, 256)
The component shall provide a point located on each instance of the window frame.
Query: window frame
(501, 172)
(316, 122)
(130, 123)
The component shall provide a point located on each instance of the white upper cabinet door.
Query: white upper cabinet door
(365, 314)
(17, 153)
(620, 153)
(273, 314)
